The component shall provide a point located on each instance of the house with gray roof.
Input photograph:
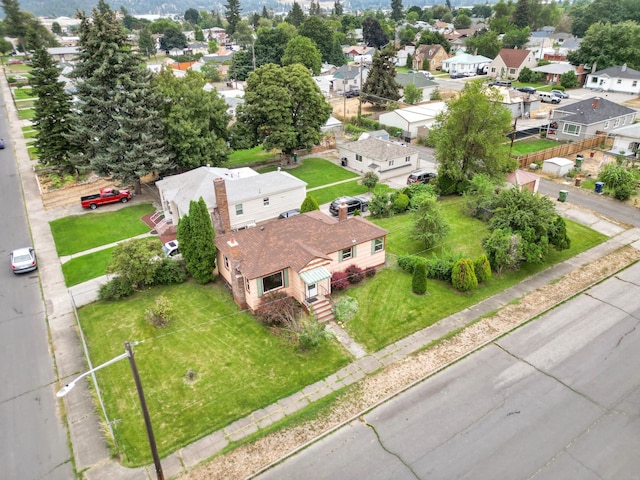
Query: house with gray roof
(626, 141)
(418, 80)
(385, 159)
(615, 79)
(414, 121)
(236, 198)
(350, 77)
(587, 118)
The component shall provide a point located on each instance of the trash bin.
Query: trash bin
(295, 158)
(592, 153)
(599, 187)
(343, 161)
(562, 196)
(578, 181)
(579, 160)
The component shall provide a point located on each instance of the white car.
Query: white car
(559, 93)
(429, 75)
(172, 250)
(23, 260)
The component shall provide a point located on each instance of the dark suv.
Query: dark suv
(352, 203)
(420, 176)
(352, 93)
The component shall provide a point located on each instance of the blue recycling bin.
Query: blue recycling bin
(599, 187)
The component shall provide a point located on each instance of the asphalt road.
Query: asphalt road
(33, 442)
(556, 399)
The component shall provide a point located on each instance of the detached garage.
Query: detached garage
(557, 166)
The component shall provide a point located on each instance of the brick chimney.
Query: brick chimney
(342, 212)
(595, 103)
(236, 279)
(234, 248)
(222, 204)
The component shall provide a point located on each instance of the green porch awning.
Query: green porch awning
(314, 276)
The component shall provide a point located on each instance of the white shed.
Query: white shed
(557, 166)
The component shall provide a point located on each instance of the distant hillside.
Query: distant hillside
(68, 8)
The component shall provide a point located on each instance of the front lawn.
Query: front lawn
(23, 93)
(390, 311)
(523, 147)
(212, 365)
(26, 114)
(82, 232)
(318, 171)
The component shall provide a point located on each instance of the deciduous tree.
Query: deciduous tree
(607, 45)
(412, 94)
(283, 108)
(373, 33)
(469, 138)
(304, 51)
(429, 226)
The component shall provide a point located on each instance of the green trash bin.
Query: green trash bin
(562, 196)
(295, 158)
(579, 160)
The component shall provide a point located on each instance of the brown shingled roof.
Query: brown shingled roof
(513, 58)
(294, 242)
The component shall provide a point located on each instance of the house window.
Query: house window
(346, 254)
(571, 129)
(619, 81)
(247, 284)
(358, 158)
(616, 122)
(635, 83)
(272, 282)
(606, 124)
(594, 79)
(407, 159)
(239, 209)
(226, 262)
(493, 69)
(391, 163)
(512, 71)
(377, 245)
(265, 201)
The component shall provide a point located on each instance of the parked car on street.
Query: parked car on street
(457, 75)
(529, 90)
(23, 260)
(352, 93)
(559, 93)
(546, 97)
(353, 203)
(1, 143)
(501, 83)
(420, 176)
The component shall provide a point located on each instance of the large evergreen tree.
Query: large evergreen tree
(295, 16)
(381, 87)
(146, 44)
(396, 10)
(470, 137)
(195, 120)
(52, 110)
(117, 124)
(196, 235)
(283, 108)
(373, 34)
(232, 14)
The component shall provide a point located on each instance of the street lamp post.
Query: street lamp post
(143, 403)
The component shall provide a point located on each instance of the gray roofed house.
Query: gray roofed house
(250, 197)
(385, 159)
(584, 119)
(349, 77)
(420, 81)
(615, 79)
(64, 54)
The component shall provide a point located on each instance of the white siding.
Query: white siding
(254, 210)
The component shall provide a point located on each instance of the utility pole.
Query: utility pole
(145, 413)
(360, 91)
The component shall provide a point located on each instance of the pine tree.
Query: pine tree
(232, 14)
(314, 9)
(295, 16)
(52, 110)
(419, 279)
(381, 85)
(396, 10)
(146, 44)
(309, 204)
(337, 8)
(118, 124)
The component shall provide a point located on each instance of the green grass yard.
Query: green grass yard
(523, 147)
(82, 232)
(238, 366)
(26, 114)
(23, 93)
(253, 156)
(318, 171)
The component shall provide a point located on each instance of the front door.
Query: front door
(312, 290)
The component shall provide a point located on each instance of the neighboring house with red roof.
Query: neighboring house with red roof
(429, 57)
(510, 62)
(297, 255)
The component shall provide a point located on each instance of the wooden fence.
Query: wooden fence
(565, 150)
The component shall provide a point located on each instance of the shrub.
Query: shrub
(408, 262)
(482, 268)
(370, 272)
(419, 280)
(312, 333)
(463, 276)
(345, 309)
(339, 281)
(440, 267)
(169, 273)
(355, 274)
(159, 314)
(309, 204)
(278, 309)
(115, 289)
(401, 203)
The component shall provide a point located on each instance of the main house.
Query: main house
(297, 255)
(510, 62)
(615, 79)
(385, 159)
(587, 118)
(429, 57)
(236, 198)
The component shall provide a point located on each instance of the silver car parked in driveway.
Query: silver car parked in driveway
(23, 260)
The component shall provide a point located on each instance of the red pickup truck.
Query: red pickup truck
(106, 195)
